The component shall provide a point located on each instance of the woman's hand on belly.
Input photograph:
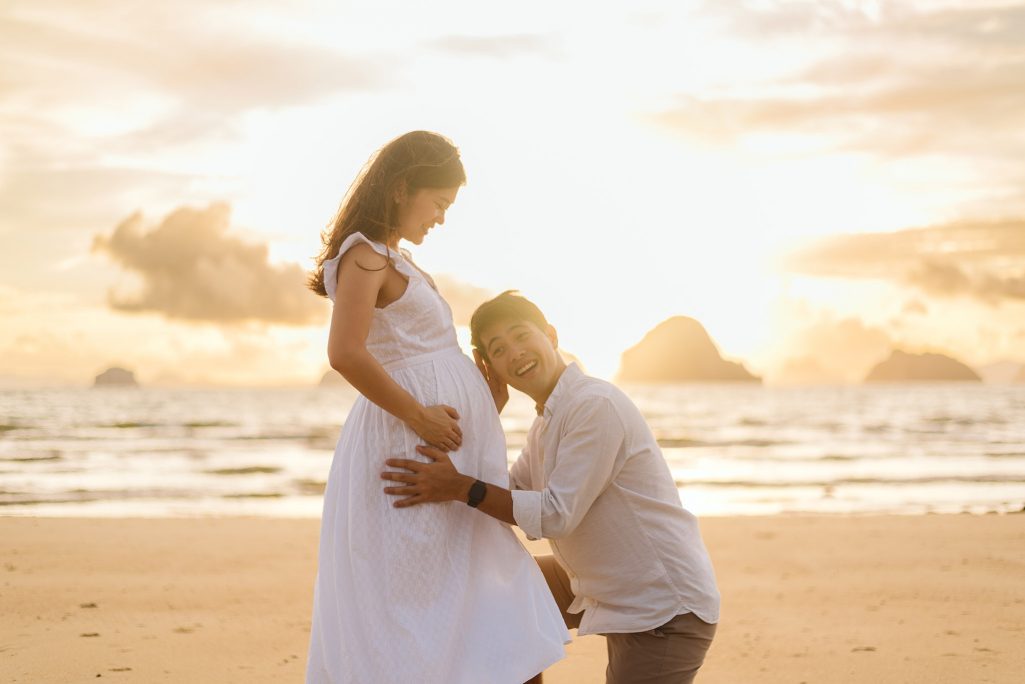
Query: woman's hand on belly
(438, 426)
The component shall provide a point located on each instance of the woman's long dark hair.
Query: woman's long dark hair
(416, 160)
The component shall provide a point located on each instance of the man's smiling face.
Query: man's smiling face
(524, 356)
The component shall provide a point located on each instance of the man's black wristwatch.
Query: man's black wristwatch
(477, 491)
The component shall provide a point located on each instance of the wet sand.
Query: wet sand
(805, 599)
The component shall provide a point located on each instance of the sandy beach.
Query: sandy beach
(805, 599)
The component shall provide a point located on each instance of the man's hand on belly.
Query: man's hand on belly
(434, 482)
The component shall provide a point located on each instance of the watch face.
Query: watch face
(477, 491)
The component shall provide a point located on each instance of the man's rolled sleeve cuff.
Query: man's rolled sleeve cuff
(527, 512)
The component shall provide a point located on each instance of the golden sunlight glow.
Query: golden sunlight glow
(618, 185)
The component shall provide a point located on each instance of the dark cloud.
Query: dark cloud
(192, 269)
(462, 297)
(978, 260)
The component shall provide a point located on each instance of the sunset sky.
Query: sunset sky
(815, 182)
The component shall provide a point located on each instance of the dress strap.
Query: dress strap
(331, 265)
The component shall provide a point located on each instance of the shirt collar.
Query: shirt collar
(568, 378)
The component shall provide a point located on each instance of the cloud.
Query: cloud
(48, 195)
(948, 280)
(192, 269)
(113, 81)
(499, 47)
(914, 306)
(203, 66)
(110, 104)
(940, 109)
(884, 254)
(939, 277)
(831, 350)
(894, 81)
(977, 260)
(973, 24)
(462, 297)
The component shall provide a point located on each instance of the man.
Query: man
(629, 560)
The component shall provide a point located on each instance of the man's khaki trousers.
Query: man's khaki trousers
(670, 654)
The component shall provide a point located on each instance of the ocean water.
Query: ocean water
(733, 449)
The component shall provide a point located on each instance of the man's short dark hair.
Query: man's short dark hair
(508, 306)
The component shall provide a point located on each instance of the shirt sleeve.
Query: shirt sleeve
(519, 474)
(586, 459)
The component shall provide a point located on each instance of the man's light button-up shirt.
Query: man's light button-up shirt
(593, 481)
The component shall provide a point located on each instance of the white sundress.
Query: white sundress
(436, 592)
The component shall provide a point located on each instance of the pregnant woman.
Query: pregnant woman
(428, 593)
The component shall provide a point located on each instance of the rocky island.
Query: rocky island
(905, 367)
(116, 377)
(679, 350)
(333, 378)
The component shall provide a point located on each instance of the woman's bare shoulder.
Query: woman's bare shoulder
(365, 257)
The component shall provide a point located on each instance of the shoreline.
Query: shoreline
(816, 598)
(266, 507)
(980, 512)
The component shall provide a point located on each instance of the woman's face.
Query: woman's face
(422, 210)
